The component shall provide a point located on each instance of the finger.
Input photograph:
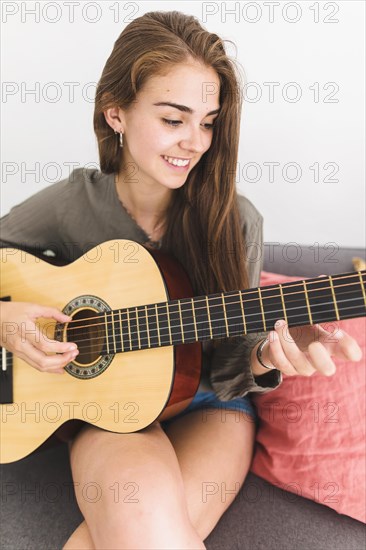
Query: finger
(53, 346)
(294, 356)
(277, 355)
(39, 340)
(339, 344)
(46, 363)
(49, 313)
(321, 359)
(29, 331)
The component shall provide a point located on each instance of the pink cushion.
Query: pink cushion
(311, 438)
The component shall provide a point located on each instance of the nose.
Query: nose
(196, 139)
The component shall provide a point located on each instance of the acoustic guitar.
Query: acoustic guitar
(139, 330)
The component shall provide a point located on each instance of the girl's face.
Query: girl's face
(170, 125)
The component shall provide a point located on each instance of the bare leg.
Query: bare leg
(80, 539)
(214, 449)
(130, 491)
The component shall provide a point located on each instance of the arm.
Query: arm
(234, 369)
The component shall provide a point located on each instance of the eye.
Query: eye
(171, 122)
(208, 126)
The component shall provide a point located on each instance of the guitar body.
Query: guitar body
(125, 392)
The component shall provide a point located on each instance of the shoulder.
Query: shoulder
(81, 178)
(249, 214)
(87, 178)
(82, 184)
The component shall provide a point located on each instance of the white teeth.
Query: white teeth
(176, 162)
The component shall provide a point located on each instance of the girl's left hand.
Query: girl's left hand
(305, 350)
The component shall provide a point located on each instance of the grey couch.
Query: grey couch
(39, 510)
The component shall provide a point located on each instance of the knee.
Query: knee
(147, 488)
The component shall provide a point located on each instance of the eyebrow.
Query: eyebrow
(182, 108)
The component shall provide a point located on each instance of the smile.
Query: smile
(175, 161)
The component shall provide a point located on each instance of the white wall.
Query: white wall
(312, 50)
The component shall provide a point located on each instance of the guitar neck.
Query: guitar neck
(234, 313)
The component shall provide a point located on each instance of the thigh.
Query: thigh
(123, 481)
(214, 448)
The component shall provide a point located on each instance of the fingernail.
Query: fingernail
(280, 323)
(71, 348)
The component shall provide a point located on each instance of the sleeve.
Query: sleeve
(36, 224)
(230, 370)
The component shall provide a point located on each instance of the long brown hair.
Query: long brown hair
(203, 227)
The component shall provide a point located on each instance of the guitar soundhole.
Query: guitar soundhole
(88, 332)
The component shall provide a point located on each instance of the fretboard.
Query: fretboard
(235, 313)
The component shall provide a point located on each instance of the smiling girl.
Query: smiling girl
(167, 114)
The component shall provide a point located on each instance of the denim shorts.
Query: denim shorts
(208, 400)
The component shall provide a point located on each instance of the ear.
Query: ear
(115, 118)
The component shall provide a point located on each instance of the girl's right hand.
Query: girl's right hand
(20, 335)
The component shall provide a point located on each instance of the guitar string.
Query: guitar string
(144, 340)
(9, 355)
(91, 348)
(188, 332)
(183, 302)
(118, 336)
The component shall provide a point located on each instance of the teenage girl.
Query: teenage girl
(167, 112)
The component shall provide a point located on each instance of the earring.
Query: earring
(120, 138)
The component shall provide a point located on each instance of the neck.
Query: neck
(146, 202)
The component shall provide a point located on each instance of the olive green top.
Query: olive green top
(74, 215)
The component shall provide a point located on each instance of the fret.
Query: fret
(307, 302)
(138, 327)
(362, 284)
(152, 323)
(174, 322)
(129, 328)
(117, 331)
(125, 336)
(273, 305)
(133, 328)
(106, 331)
(320, 299)
(181, 321)
(147, 328)
(142, 336)
(142, 318)
(113, 332)
(170, 332)
(242, 312)
(194, 320)
(217, 316)
(163, 324)
(225, 315)
(234, 323)
(201, 314)
(92, 331)
(349, 294)
(188, 319)
(334, 298)
(120, 330)
(283, 304)
(209, 317)
(253, 311)
(157, 323)
(262, 310)
(295, 303)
